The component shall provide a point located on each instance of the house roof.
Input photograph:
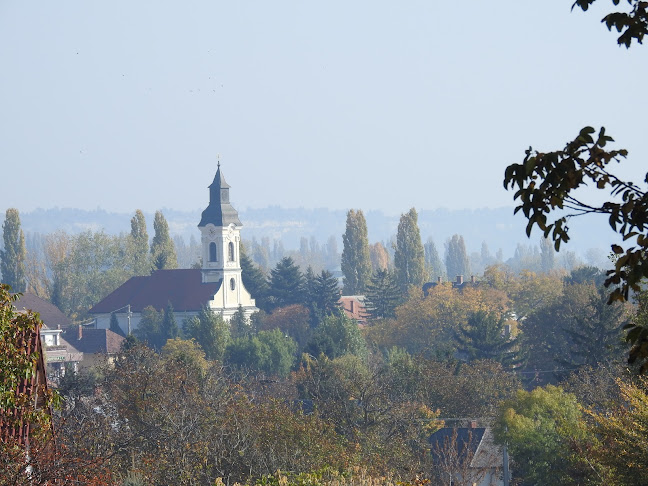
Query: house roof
(51, 315)
(354, 307)
(183, 288)
(219, 212)
(94, 341)
(477, 443)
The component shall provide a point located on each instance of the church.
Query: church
(217, 284)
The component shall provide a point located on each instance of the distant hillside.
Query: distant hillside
(499, 228)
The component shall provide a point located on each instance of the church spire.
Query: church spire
(219, 212)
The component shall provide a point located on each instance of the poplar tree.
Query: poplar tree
(456, 258)
(139, 244)
(12, 258)
(162, 248)
(356, 260)
(409, 256)
(432, 259)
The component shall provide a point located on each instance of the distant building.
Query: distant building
(93, 343)
(59, 354)
(217, 284)
(354, 307)
(459, 283)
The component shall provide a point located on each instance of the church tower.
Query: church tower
(220, 228)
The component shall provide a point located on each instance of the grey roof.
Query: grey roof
(219, 212)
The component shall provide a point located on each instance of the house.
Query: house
(354, 308)
(469, 455)
(459, 283)
(93, 343)
(218, 284)
(59, 354)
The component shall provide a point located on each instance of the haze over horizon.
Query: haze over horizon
(369, 105)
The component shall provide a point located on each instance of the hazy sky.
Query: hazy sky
(368, 104)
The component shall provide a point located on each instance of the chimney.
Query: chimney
(351, 302)
(438, 280)
(473, 424)
(472, 279)
(459, 279)
(79, 332)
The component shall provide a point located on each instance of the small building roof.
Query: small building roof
(51, 315)
(183, 288)
(93, 341)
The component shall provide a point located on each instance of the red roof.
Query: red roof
(183, 288)
(94, 340)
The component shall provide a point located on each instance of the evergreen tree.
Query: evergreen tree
(114, 325)
(210, 331)
(139, 244)
(383, 295)
(169, 326)
(254, 280)
(356, 261)
(327, 293)
(286, 284)
(484, 337)
(148, 329)
(12, 258)
(456, 258)
(239, 324)
(409, 256)
(432, 260)
(162, 248)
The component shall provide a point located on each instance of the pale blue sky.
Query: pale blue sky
(367, 104)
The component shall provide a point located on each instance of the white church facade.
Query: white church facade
(218, 284)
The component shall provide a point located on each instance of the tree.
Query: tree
(409, 256)
(139, 243)
(379, 257)
(356, 260)
(336, 336)
(324, 295)
(293, 320)
(547, 255)
(254, 280)
(456, 258)
(210, 331)
(432, 260)
(114, 324)
(633, 25)
(168, 326)
(12, 258)
(163, 252)
(240, 324)
(382, 296)
(286, 284)
(269, 351)
(542, 429)
(148, 329)
(485, 337)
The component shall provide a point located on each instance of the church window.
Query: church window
(232, 284)
(212, 252)
(230, 251)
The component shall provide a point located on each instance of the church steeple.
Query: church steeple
(219, 212)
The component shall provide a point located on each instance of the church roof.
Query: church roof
(219, 212)
(183, 288)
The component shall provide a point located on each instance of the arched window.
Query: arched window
(232, 282)
(230, 251)
(212, 252)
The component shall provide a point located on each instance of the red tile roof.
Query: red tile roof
(183, 288)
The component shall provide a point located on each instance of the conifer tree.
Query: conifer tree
(383, 295)
(456, 258)
(325, 295)
(254, 280)
(239, 324)
(169, 327)
(162, 248)
(114, 325)
(409, 256)
(356, 260)
(210, 331)
(286, 284)
(12, 258)
(139, 244)
(484, 338)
